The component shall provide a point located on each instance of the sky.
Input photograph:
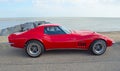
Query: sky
(59, 8)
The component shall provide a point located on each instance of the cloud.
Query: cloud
(62, 8)
(77, 7)
(62, 4)
(73, 2)
(10, 1)
(110, 1)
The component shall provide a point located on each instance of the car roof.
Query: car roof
(49, 25)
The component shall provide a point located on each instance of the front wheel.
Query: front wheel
(34, 48)
(98, 47)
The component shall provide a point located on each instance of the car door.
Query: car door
(55, 38)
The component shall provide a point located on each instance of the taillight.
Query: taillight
(11, 37)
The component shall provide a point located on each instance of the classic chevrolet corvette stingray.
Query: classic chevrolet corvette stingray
(53, 36)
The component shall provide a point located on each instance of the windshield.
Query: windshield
(67, 31)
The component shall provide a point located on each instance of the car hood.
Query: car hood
(83, 33)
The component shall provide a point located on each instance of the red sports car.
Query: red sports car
(53, 36)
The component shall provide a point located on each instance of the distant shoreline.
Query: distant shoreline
(98, 24)
(29, 18)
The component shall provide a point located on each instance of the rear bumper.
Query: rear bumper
(7, 43)
(10, 43)
(14, 45)
(113, 42)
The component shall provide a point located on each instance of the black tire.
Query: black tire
(34, 48)
(98, 47)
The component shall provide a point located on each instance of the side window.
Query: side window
(52, 30)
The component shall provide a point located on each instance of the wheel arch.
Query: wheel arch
(35, 40)
(96, 40)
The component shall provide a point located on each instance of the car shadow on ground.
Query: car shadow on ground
(8, 51)
(66, 52)
(14, 52)
(22, 53)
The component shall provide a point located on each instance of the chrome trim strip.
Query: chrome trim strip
(113, 42)
(7, 43)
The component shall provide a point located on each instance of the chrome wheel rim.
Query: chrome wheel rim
(34, 49)
(99, 47)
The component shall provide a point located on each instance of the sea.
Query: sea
(97, 24)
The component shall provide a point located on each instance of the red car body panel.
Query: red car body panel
(74, 40)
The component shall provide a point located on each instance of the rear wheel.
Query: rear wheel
(98, 47)
(34, 48)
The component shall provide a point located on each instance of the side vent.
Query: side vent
(82, 44)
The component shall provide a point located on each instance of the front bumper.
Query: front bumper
(110, 42)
